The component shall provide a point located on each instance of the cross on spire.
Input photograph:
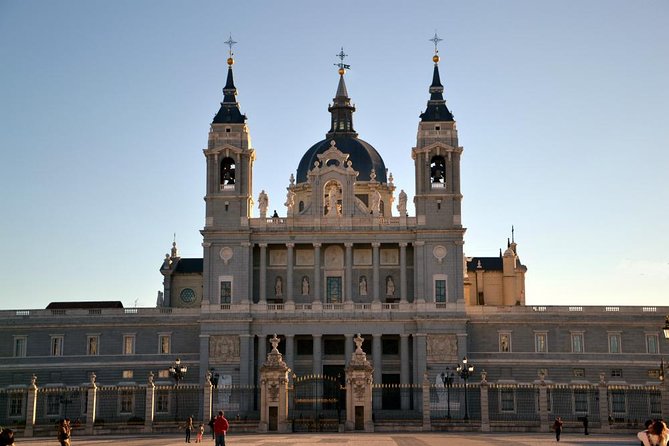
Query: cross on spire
(341, 56)
(436, 41)
(230, 43)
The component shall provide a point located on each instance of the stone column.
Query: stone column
(543, 405)
(604, 404)
(419, 272)
(262, 350)
(31, 408)
(359, 390)
(348, 346)
(289, 272)
(91, 401)
(150, 406)
(317, 357)
(262, 299)
(249, 295)
(290, 350)
(427, 416)
(274, 392)
(317, 273)
(376, 362)
(403, 273)
(376, 281)
(405, 379)
(485, 410)
(245, 359)
(204, 355)
(348, 279)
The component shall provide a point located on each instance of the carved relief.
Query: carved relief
(362, 256)
(389, 256)
(225, 254)
(304, 257)
(442, 347)
(334, 257)
(224, 348)
(278, 257)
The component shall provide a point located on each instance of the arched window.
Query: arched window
(300, 207)
(228, 168)
(438, 169)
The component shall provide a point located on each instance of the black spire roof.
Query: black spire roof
(436, 107)
(229, 112)
(341, 111)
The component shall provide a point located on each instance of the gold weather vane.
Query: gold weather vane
(436, 41)
(342, 66)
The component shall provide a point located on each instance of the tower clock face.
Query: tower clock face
(187, 295)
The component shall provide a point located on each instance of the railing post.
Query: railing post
(427, 420)
(207, 398)
(149, 408)
(91, 401)
(664, 398)
(545, 425)
(31, 408)
(604, 404)
(485, 408)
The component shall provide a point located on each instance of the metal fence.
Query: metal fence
(12, 404)
(395, 402)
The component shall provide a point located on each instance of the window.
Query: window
(16, 405)
(540, 342)
(164, 344)
(579, 373)
(505, 342)
(333, 289)
(652, 344)
(20, 344)
(92, 344)
(614, 343)
(126, 401)
(437, 169)
(655, 402)
(507, 400)
(187, 295)
(580, 401)
(440, 290)
(128, 374)
(57, 345)
(162, 401)
(163, 373)
(618, 404)
(616, 373)
(304, 347)
(53, 404)
(333, 346)
(128, 344)
(226, 291)
(390, 346)
(577, 345)
(228, 172)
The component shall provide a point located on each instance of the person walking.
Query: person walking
(557, 427)
(189, 428)
(585, 425)
(221, 427)
(64, 432)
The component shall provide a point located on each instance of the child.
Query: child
(200, 432)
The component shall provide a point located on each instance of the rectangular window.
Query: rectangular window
(20, 344)
(57, 345)
(618, 405)
(579, 373)
(333, 290)
(52, 404)
(616, 373)
(614, 343)
(126, 401)
(390, 346)
(128, 344)
(577, 345)
(226, 291)
(505, 342)
(655, 402)
(128, 374)
(440, 290)
(164, 344)
(163, 373)
(92, 344)
(16, 405)
(580, 401)
(162, 401)
(652, 344)
(540, 341)
(333, 346)
(507, 400)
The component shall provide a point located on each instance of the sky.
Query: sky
(105, 109)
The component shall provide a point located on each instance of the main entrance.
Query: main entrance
(317, 403)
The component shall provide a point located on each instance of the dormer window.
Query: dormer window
(228, 170)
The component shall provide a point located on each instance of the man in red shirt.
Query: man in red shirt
(221, 426)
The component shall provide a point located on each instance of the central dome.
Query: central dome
(362, 155)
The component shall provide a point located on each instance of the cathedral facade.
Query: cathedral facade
(345, 258)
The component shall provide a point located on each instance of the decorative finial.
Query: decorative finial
(230, 43)
(512, 231)
(436, 41)
(342, 66)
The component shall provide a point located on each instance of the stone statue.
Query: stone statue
(263, 202)
(390, 286)
(160, 300)
(332, 200)
(290, 200)
(362, 286)
(375, 207)
(305, 285)
(278, 286)
(402, 204)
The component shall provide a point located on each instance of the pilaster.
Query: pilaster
(31, 407)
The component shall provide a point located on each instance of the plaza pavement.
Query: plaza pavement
(353, 439)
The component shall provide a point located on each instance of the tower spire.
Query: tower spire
(341, 108)
(436, 107)
(229, 112)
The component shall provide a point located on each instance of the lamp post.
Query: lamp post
(465, 370)
(447, 378)
(177, 372)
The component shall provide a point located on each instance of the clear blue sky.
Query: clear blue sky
(105, 108)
